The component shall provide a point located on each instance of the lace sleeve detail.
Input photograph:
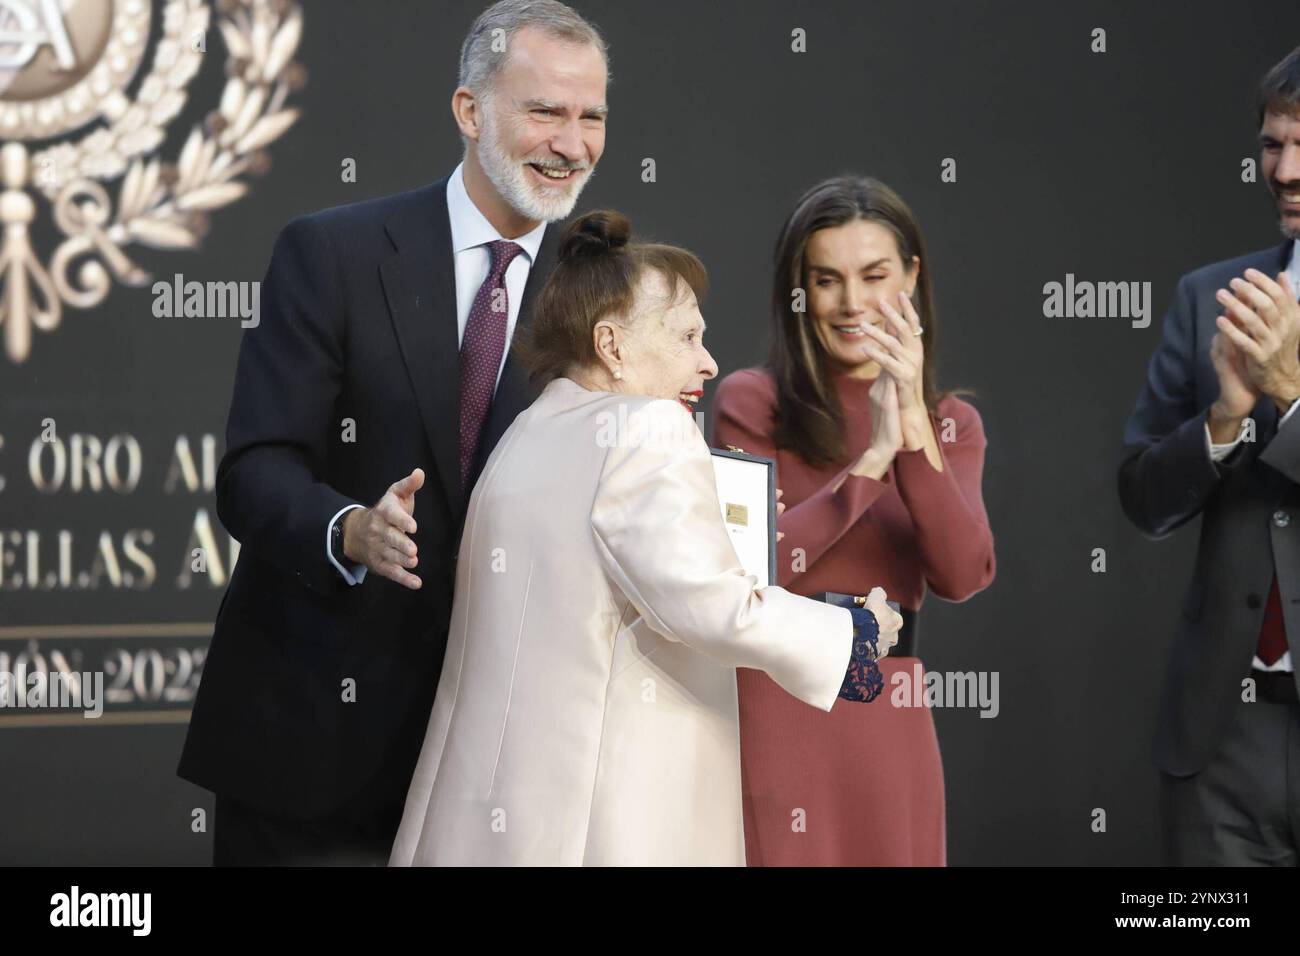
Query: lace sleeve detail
(863, 681)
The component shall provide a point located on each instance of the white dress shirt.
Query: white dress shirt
(470, 234)
(1219, 452)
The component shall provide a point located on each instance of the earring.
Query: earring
(618, 373)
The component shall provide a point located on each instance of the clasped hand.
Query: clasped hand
(1256, 351)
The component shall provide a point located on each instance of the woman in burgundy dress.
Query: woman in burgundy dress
(880, 477)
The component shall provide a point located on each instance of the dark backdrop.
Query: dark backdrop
(1121, 166)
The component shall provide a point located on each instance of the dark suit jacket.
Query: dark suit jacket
(358, 321)
(1250, 516)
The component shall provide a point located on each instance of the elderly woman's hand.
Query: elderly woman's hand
(889, 621)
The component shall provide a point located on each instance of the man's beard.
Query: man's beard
(511, 179)
(1289, 225)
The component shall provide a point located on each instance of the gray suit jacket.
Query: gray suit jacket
(1250, 508)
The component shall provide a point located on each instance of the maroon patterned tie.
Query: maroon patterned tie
(480, 352)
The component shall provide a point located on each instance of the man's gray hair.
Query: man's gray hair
(488, 42)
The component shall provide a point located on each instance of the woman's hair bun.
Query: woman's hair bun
(595, 233)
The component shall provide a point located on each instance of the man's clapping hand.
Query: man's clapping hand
(378, 537)
(1262, 319)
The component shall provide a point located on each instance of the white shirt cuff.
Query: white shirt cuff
(1283, 419)
(1220, 452)
(357, 572)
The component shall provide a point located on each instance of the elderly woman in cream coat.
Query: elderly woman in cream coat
(586, 712)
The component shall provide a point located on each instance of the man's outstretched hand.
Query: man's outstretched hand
(378, 537)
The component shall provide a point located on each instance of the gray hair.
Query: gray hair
(480, 63)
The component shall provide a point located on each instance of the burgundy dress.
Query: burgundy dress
(861, 785)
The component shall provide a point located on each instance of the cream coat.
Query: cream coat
(586, 713)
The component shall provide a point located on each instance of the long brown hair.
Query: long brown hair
(597, 274)
(808, 417)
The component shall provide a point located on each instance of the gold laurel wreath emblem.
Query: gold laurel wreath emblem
(160, 205)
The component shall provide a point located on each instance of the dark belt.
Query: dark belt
(906, 646)
(1276, 687)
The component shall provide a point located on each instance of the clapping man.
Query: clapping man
(1215, 432)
